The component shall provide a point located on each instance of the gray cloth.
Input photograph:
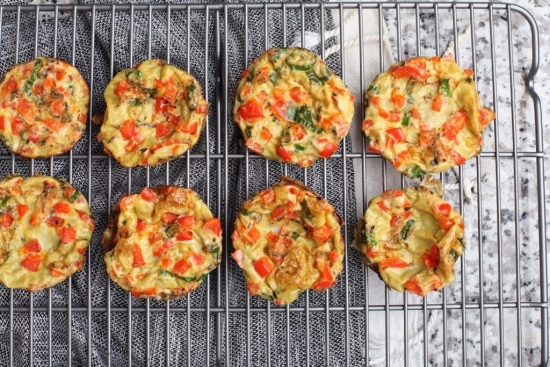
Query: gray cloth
(208, 181)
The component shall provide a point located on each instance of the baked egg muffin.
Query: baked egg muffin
(43, 107)
(424, 115)
(286, 240)
(46, 227)
(162, 242)
(412, 238)
(291, 107)
(155, 113)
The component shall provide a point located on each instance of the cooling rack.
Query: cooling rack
(496, 311)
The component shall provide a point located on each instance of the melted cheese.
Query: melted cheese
(424, 115)
(43, 107)
(46, 227)
(291, 107)
(412, 238)
(297, 234)
(162, 242)
(154, 114)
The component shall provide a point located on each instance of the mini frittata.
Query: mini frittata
(46, 226)
(412, 238)
(162, 242)
(424, 115)
(287, 240)
(291, 107)
(43, 107)
(155, 113)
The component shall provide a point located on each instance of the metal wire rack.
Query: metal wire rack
(496, 311)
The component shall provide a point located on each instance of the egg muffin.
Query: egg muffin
(424, 115)
(43, 107)
(412, 238)
(155, 113)
(162, 242)
(46, 226)
(291, 107)
(286, 240)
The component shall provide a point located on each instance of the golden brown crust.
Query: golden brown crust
(424, 115)
(43, 107)
(161, 243)
(287, 240)
(412, 239)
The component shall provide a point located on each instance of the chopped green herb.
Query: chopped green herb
(364, 237)
(134, 76)
(299, 148)
(305, 118)
(445, 87)
(273, 77)
(374, 89)
(461, 240)
(193, 96)
(417, 172)
(7, 255)
(215, 251)
(305, 209)
(313, 77)
(405, 120)
(405, 231)
(300, 60)
(295, 235)
(371, 241)
(34, 75)
(74, 196)
(4, 201)
(469, 80)
(454, 254)
(290, 113)
(248, 131)
(135, 102)
(243, 211)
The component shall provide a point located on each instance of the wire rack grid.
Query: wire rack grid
(496, 311)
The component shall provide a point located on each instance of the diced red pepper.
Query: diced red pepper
(396, 134)
(322, 234)
(265, 134)
(431, 257)
(328, 150)
(437, 103)
(184, 235)
(333, 256)
(486, 116)
(252, 288)
(17, 125)
(406, 72)
(455, 125)
(268, 196)
(138, 256)
(141, 225)
(404, 156)
(186, 221)
(56, 273)
(55, 222)
(161, 105)
(9, 87)
(68, 235)
(197, 258)
(148, 195)
(383, 205)
(24, 106)
(181, 266)
(278, 212)
(161, 130)
(254, 234)
(393, 262)
(298, 94)
(444, 209)
(397, 98)
(238, 257)
(162, 248)
(459, 160)
(62, 208)
(128, 129)
(33, 246)
(213, 225)
(263, 266)
(279, 109)
(284, 154)
(415, 113)
(445, 223)
(201, 109)
(32, 261)
(22, 210)
(122, 88)
(188, 128)
(326, 279)
(2, 123)
(413, 286)
(251, 109)
(167, 217)
(367, 124)
(51, 123)
(58, 107)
